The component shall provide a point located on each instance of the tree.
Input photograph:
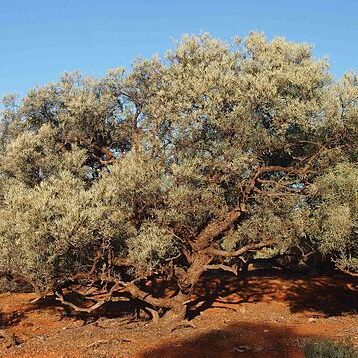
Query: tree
(199, 162)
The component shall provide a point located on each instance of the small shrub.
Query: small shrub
(7, 285)
(330, 349)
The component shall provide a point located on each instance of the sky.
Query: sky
(41, 39)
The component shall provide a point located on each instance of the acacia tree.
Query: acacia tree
(215, 155)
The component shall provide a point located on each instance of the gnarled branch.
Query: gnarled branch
(242, 250)
(222, 267)
(60, 298)
(216, 228)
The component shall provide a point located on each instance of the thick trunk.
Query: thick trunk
(199, 260)
(178, 310)
(216, 228)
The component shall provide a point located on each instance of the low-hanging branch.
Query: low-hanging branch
(242, 250)
(223, 267)
(97, 305)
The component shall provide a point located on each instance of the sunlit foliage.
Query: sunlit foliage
(201, 158)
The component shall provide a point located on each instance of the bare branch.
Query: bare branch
(154, 314)
(216, 228)
(347, 272)
(222, 267)
(136, 292)
(59, 297)
(246, 248)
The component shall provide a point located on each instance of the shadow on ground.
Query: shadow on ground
(326, 295)
(243, 339)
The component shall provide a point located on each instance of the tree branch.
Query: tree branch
(219, 226)
(137, 293)
(59, 297)
(216, 228)
(347, 272)
(246, 248)
(222, 267)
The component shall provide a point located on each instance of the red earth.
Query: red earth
(261, 315)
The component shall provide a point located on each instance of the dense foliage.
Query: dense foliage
(204, 160)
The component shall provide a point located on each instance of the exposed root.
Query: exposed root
(153, 313)
(97, 305)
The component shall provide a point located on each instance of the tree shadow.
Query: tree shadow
(330, 295)
(10, 319)
(14, 317)
(121, 308)
(124, 309)
(333, 296)
(242, 339)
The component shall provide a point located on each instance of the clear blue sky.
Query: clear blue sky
(40, 39)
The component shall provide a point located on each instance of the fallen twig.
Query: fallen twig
(106, 341)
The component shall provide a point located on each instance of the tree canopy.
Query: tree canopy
(203, 160)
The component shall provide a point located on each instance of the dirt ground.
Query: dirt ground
(258, 316)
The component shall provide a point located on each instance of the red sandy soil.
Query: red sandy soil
(257, 316)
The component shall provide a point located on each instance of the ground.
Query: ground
(262, 315)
